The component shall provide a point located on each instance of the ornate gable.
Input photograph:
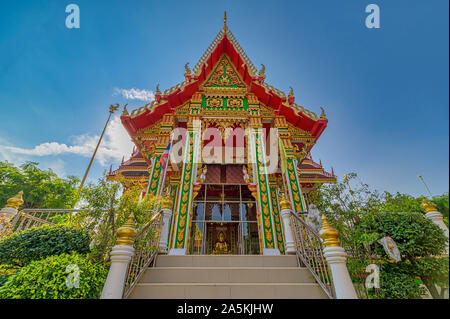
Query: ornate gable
(224, 75)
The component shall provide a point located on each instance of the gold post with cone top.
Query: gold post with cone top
(329, 234)
(427, 205)
(15, 201)
(127, 233)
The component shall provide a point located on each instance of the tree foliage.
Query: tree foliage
(41, 188)
(105, 208)
(55, 277)
(363, 216)
(21, 248)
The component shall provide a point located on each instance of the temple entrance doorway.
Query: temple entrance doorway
(224, 221)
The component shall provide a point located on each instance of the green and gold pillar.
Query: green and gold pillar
(257, 156)
(276, 212)
(188, 175)
(289, 165)
(156, 172)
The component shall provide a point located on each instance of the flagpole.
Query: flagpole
(112, 109)
(421, 178)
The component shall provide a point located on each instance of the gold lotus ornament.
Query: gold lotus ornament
(15, 201)
(126, 233)
(427, 205)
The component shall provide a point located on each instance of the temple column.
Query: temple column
(257, 156)
(188, 175)
(288, 165)
(174, 182)
(156, 173)
(276, 213)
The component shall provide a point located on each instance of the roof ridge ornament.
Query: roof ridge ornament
(187, 73)
(225, 28)
(125, 111)
(187, 69)
(262, 73)
(322, 115)
(291, 97)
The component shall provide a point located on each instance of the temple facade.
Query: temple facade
(227, 151)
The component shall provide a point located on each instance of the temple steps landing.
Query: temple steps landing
(227, 277)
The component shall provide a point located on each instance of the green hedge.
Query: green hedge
(48, 279)
(37, 243)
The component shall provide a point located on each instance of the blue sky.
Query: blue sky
(385, 91)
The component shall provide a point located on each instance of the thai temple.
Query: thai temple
(261, 141)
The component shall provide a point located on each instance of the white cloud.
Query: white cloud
(135, 94)
(116, 143)
(58, 166)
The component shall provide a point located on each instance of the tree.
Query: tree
(363, 216)
(41, 188)
(105, 209)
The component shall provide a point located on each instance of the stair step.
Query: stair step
(226, 261)
(227, 291)
(227, 275)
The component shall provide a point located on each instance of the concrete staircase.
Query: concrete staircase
(227, 277)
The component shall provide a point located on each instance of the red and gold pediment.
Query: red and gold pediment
(224, 75)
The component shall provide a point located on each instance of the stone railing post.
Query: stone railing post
(12, 205)
(166, 214)
(435, 216)
(121, 255)
(337, 261)
(285, 213)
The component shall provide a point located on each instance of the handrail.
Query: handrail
(29, 217)
(310, 253)
(146, 249)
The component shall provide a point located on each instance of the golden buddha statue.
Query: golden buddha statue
(221, 245)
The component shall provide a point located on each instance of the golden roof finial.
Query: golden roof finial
(322, 115)
(262, 72)
(15, 201)
(291, 92)
(187, 69)
(225, 21)
(158, 92)
(126, 233)
(125, 111)
(329, 234)
(427, 205)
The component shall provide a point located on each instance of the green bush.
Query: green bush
(3, 279)
(6, 271)
(48, 279)
(415, 235)
(418, 240)
(37, 243)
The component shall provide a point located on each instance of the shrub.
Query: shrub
(418, 240)
(51, 278)
(7, 271)
(36, 243)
